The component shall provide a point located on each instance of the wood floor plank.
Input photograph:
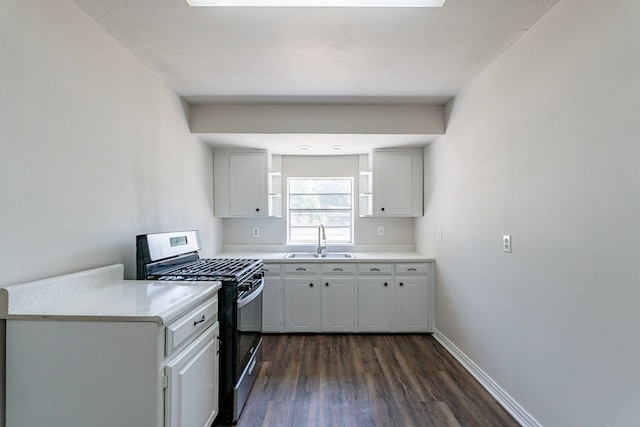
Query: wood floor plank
(361, 380)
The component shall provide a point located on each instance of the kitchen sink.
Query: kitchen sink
(312, 255)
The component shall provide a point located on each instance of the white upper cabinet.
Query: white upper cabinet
(247, 185)
(243, 185)
(394, 185)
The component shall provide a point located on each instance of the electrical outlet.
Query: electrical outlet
(256, 232)
(506, 243)
(440, 234)
(380, 230)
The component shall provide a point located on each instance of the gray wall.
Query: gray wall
(273, 231)
(94, 150)
(545, 145)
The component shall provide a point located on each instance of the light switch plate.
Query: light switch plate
(439, 234)
(506, 243)
(380, 230)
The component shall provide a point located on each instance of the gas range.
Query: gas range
(174, 256)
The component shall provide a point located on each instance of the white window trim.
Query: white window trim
(351, 211)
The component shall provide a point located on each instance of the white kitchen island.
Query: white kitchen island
(92, 349)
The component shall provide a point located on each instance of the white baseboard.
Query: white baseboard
(507, 402)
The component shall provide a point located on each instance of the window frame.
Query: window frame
(351, 210)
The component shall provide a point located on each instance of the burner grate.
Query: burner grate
(215, 268)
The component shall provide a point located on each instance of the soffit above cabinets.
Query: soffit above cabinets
(318, 144)
(317, 129)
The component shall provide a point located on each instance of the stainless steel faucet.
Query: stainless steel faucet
(321, 248)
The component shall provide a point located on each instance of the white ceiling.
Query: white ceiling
(316, 55)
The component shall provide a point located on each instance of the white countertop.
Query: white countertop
(80, 296)
(272, 257)
(125, 300)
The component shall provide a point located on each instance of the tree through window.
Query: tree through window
(315, 201)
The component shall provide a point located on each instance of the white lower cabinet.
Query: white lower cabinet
(348, 297)
(339, 309)
(411, 304)
(301, 297)
(191, 397)
(272, 300)
(414, 297)
(301, 304)
(92, 372)
(375, 303)
(339, 306)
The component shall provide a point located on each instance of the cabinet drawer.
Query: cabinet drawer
(301, 268)
(191, 324)
(342, 268)
(415, 268)
(271, 269)
(375, 268)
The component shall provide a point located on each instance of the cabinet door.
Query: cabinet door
(375, 304)
(302, 304)
(272, 304)
(216, 373)
(338, 304)
(192, 391)
(393, 184)
(248, 190)
(412, 304)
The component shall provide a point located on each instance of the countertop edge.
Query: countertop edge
(84, 318)
(161, 317)
(279, 257)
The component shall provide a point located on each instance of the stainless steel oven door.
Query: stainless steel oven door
(249, 331)
(249, 326)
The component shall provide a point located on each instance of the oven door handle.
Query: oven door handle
(253, 295)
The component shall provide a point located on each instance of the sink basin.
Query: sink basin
(327, 255)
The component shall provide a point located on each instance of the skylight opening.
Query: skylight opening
(317, 3)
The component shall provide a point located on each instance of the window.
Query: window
(315, 201)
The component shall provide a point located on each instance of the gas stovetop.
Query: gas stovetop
(213, 269)
(174, 256)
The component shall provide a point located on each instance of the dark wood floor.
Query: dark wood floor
(366, 380)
